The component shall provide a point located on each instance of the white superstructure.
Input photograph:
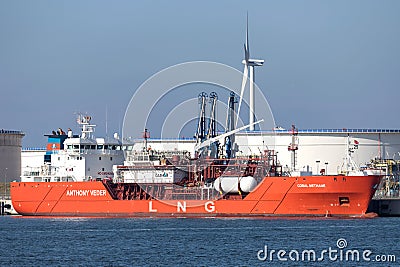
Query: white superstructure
(73, 158)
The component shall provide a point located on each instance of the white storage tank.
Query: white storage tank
(230, 184)
(247, 184)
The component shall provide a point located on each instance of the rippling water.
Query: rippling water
(191, 242)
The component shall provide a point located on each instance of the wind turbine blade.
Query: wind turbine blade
(245, 73)
(247, 50)
(222, 136)
(246, 54)
(227, 116)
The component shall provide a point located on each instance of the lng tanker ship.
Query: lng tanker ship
(157, 185)
(272, 196)
(211, 182)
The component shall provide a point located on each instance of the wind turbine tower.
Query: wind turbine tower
(249, 65)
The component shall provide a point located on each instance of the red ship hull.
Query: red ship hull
(274, 196)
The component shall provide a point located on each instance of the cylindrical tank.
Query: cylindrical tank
(230, 184)
(10, 155)
(247, 184)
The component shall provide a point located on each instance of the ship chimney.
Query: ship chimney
(69, 133)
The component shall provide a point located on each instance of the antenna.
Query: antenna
(87, 128)
(106, 120)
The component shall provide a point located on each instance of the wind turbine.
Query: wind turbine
(249, 65)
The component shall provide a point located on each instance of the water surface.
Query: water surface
(32, 241)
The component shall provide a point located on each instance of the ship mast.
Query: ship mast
(87, 128)
(350, 165)
(293, 147)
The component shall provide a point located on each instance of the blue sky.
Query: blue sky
(329, 64)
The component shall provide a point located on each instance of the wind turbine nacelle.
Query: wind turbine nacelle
(256, 62)
(253, 62)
